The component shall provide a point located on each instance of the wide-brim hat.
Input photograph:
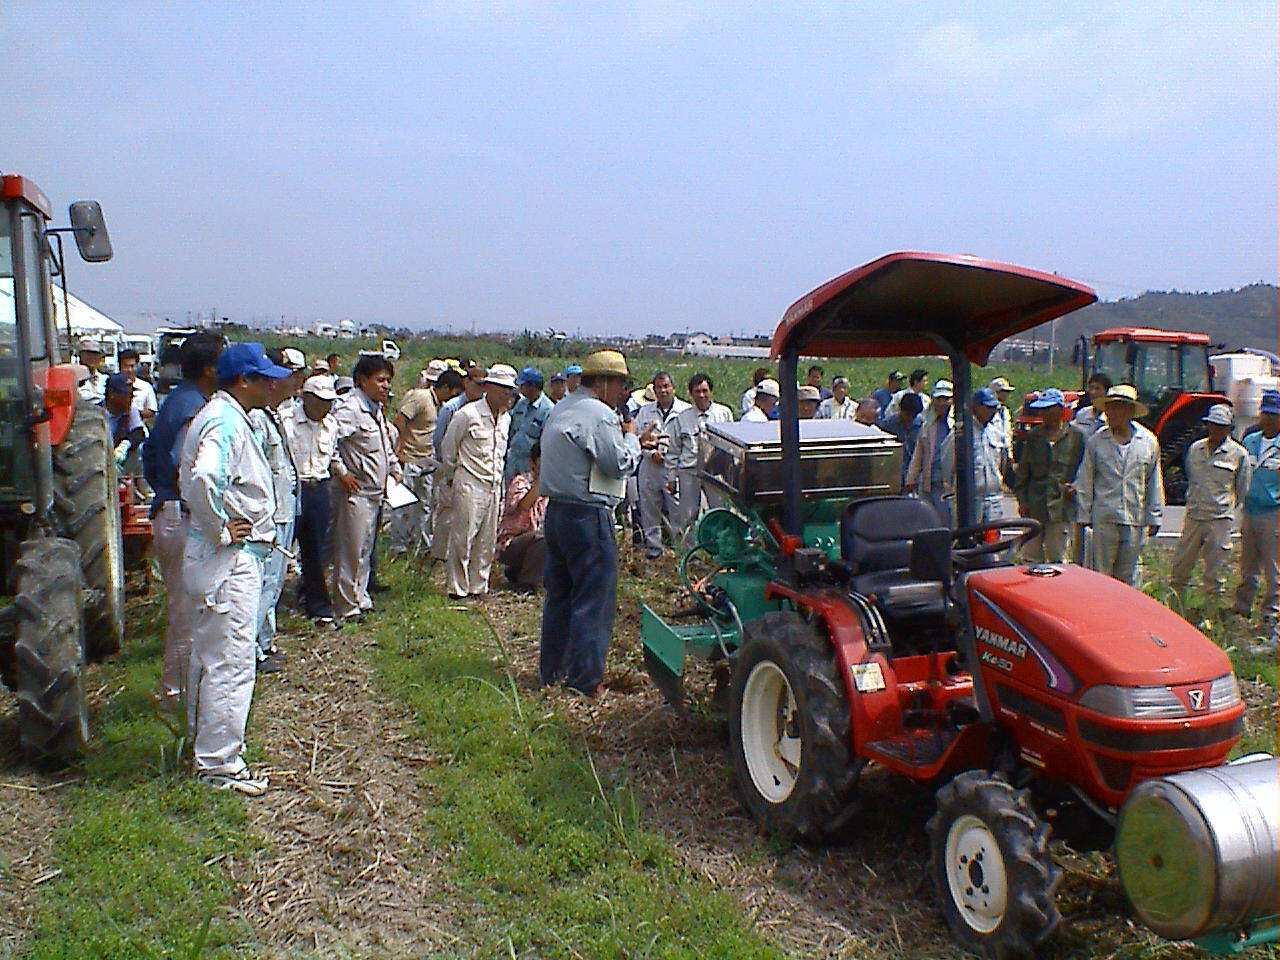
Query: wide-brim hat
(603, 363)
(88, 345)
(501, 375)
(1127, 393)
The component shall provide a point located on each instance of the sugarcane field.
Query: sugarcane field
(657, 480)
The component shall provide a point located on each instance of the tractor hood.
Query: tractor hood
(1085, 628)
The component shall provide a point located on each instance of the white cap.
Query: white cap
(293, 359)
(768, 388)
(502, 375)
(1220, 414)
(320, 387)
(321, 365)
(943, 388)
(806, 392)
(431, 372)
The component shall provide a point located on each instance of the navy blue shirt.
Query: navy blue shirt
(161, 450)
(882, 396)
(907, 435)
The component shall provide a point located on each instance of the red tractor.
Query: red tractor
(61, 555)
(1174, 378)
(862, 632)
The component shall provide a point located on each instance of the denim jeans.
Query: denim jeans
(314, 524)
(580, 587)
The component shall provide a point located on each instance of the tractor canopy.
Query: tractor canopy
(1150, 335)
(916, 304)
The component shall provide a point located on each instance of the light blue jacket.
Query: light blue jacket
(1264, 488)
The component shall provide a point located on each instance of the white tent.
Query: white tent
(85, 319)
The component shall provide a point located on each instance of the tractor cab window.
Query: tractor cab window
(1195, 368)
(1155, 370)
(8, 312)
(1112, 359)
(14, 460)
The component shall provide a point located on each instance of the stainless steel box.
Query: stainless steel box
(839, 460)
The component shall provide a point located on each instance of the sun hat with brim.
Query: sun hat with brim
(1219, 414)
(293, 359)
(1127, 393)
(985, 397)
(1000, 385)
(807, 392)
(320, 387)
(529, 375)
(433, 370)
(119, 383)
(1051, 397)
(89, 346)
(768, 388)
(602, 363)
(943, 388)
(1270, 402)
(501, 375)
(248, 360)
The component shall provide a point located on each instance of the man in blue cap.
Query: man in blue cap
(1044, 476)
(1259, 529)
(229, 492)
(573, 377)
(990, 457)
(557, 386)
(527, 417)
(124, 423)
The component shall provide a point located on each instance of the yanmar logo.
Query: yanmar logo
(1014, 648)
(1196, 699)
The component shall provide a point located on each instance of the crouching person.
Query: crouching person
(229, 491)
(521, 550)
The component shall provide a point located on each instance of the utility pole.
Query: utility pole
(1053, 343)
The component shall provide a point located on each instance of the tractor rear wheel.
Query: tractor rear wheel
(991, 867)
(87, 500)
(48, 651)
(789, 729)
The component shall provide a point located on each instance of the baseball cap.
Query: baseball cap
(985, 397)
(1219, 414)
(343, 385)
(1270, 402)
(558, 377)
(321, 365)
(501, 375)
(248, 359)
(293, 359)
(942, 388)
(574, 368)
(1000, 384)
(769, 388)
(320, 387)
(1049, 397)
(119, 383)
(896, 375)
(529, 375)
(806, 392)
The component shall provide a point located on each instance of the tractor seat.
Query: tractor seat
(908, 580)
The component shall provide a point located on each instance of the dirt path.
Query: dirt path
(342, 871)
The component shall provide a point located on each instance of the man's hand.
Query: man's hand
(349, 481)
(238, 529)
(656, 457)
(629, 426)
(649, 439)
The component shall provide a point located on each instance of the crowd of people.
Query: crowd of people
(259, 462)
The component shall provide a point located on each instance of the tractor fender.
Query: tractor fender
(1202, 401)
(58, 385)
(874, 712)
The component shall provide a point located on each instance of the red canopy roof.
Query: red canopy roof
(913, 304)
(1150, 335)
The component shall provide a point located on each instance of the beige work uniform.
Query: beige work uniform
(363, 451)
(1120, 493)
(410, 526)
(472, 457)
(1217, 482)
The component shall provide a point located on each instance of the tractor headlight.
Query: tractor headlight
(1224, 692)
(1133, 703)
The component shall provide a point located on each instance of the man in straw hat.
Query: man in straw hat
(471, 458)
(1217, 482)
(588, 452)
(1119, 489)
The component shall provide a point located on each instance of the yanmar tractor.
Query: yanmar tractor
(1174, 379)
(861, 632)
(61, 558)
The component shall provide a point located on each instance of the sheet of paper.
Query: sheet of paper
(398, 495)
(605, 486)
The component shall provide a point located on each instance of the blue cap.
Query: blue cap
(119, 383)
(245, 359)
(529, 375)
(1049, 397)
(1270, 402)
(558, 377)
(572, 369)
(985, 397)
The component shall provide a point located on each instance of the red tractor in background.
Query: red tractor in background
(1173, 377)
(61, 553)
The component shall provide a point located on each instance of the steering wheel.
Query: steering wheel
(1024, 529)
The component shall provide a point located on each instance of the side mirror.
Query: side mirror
(90, 231)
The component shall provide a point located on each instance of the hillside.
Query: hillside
(1234, 318)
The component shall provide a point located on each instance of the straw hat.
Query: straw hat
(1126, 393)
(605, 363)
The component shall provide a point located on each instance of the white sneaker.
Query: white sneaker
(242, 782)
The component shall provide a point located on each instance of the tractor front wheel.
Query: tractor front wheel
(991, 867)
(48, 652)
(789, 729)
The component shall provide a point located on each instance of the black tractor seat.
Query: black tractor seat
(899, 556)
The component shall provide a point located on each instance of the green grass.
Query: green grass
(141, 855)
(549, 849)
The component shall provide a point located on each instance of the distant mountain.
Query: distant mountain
(1235, 318)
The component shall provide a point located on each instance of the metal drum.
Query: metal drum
(1198, 851)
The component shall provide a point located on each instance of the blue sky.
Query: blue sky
(639, 167)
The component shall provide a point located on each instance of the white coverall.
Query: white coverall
(223, 476)
(473, 455)
(656, 501)
(168, 541)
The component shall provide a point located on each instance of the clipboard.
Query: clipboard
(604, 486)
(398, 495)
